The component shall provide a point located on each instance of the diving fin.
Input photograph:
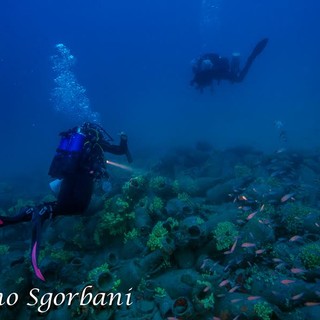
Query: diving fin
(256, 51)
(259, 47)
(35, 244)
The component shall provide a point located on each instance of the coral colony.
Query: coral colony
(209, 234)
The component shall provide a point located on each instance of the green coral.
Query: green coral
(60, 254)
(96, 271)
(310, 255)
(134, 188)
(160, 292)
(131, 235)
(157, 236)
(113, 223)
(121, 205)
(263, 310)
(114, 219)
(116, 285)
(172, 223)
(157, 204)
(185, 197)
(175, 186)
(208, 302)
(225, 234)
(4, 249)
(294, 213)
(157, 183)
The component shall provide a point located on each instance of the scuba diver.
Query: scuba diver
(78, 163)
(211, 67)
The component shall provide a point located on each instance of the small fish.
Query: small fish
(312, 304)
(264, 221)
(227, 252)
(261, 208)
(297, 296)
(234, 289)
(297, 270)
(216, 318)
(281, 150)
(223, 283)
(287, 281)
(260, 251)
(251, 298)
(251, 215)
(287, 197)
(243, 198)
(248, 245)
(295, 238)
(204, 262)
(277, 260)
(206, 289)
(234, 245)
(172, 318)
(235, 300)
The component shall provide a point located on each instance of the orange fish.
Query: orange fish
(287, 197)
(235, 300)
(234, 289)
(223, 283)
(312, 304)
(251, 215)
(251, 298)
(297, 296)
(248, 245)
(260, 251)
(287, 281)
(242, 198)
(207, 288)
(234, 245)
(295, 238)
(297, 270)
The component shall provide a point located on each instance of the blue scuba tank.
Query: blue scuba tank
(68, 155)
(76, 141)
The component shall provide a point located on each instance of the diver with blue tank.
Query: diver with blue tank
(78, 163)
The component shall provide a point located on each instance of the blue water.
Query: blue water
(134, 60)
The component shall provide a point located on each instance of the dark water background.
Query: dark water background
(133, 57)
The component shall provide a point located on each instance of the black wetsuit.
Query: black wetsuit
(211, 66)
(76, 187)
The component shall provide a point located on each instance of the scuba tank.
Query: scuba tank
(68, 154)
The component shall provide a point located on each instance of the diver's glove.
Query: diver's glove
(124, 140)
